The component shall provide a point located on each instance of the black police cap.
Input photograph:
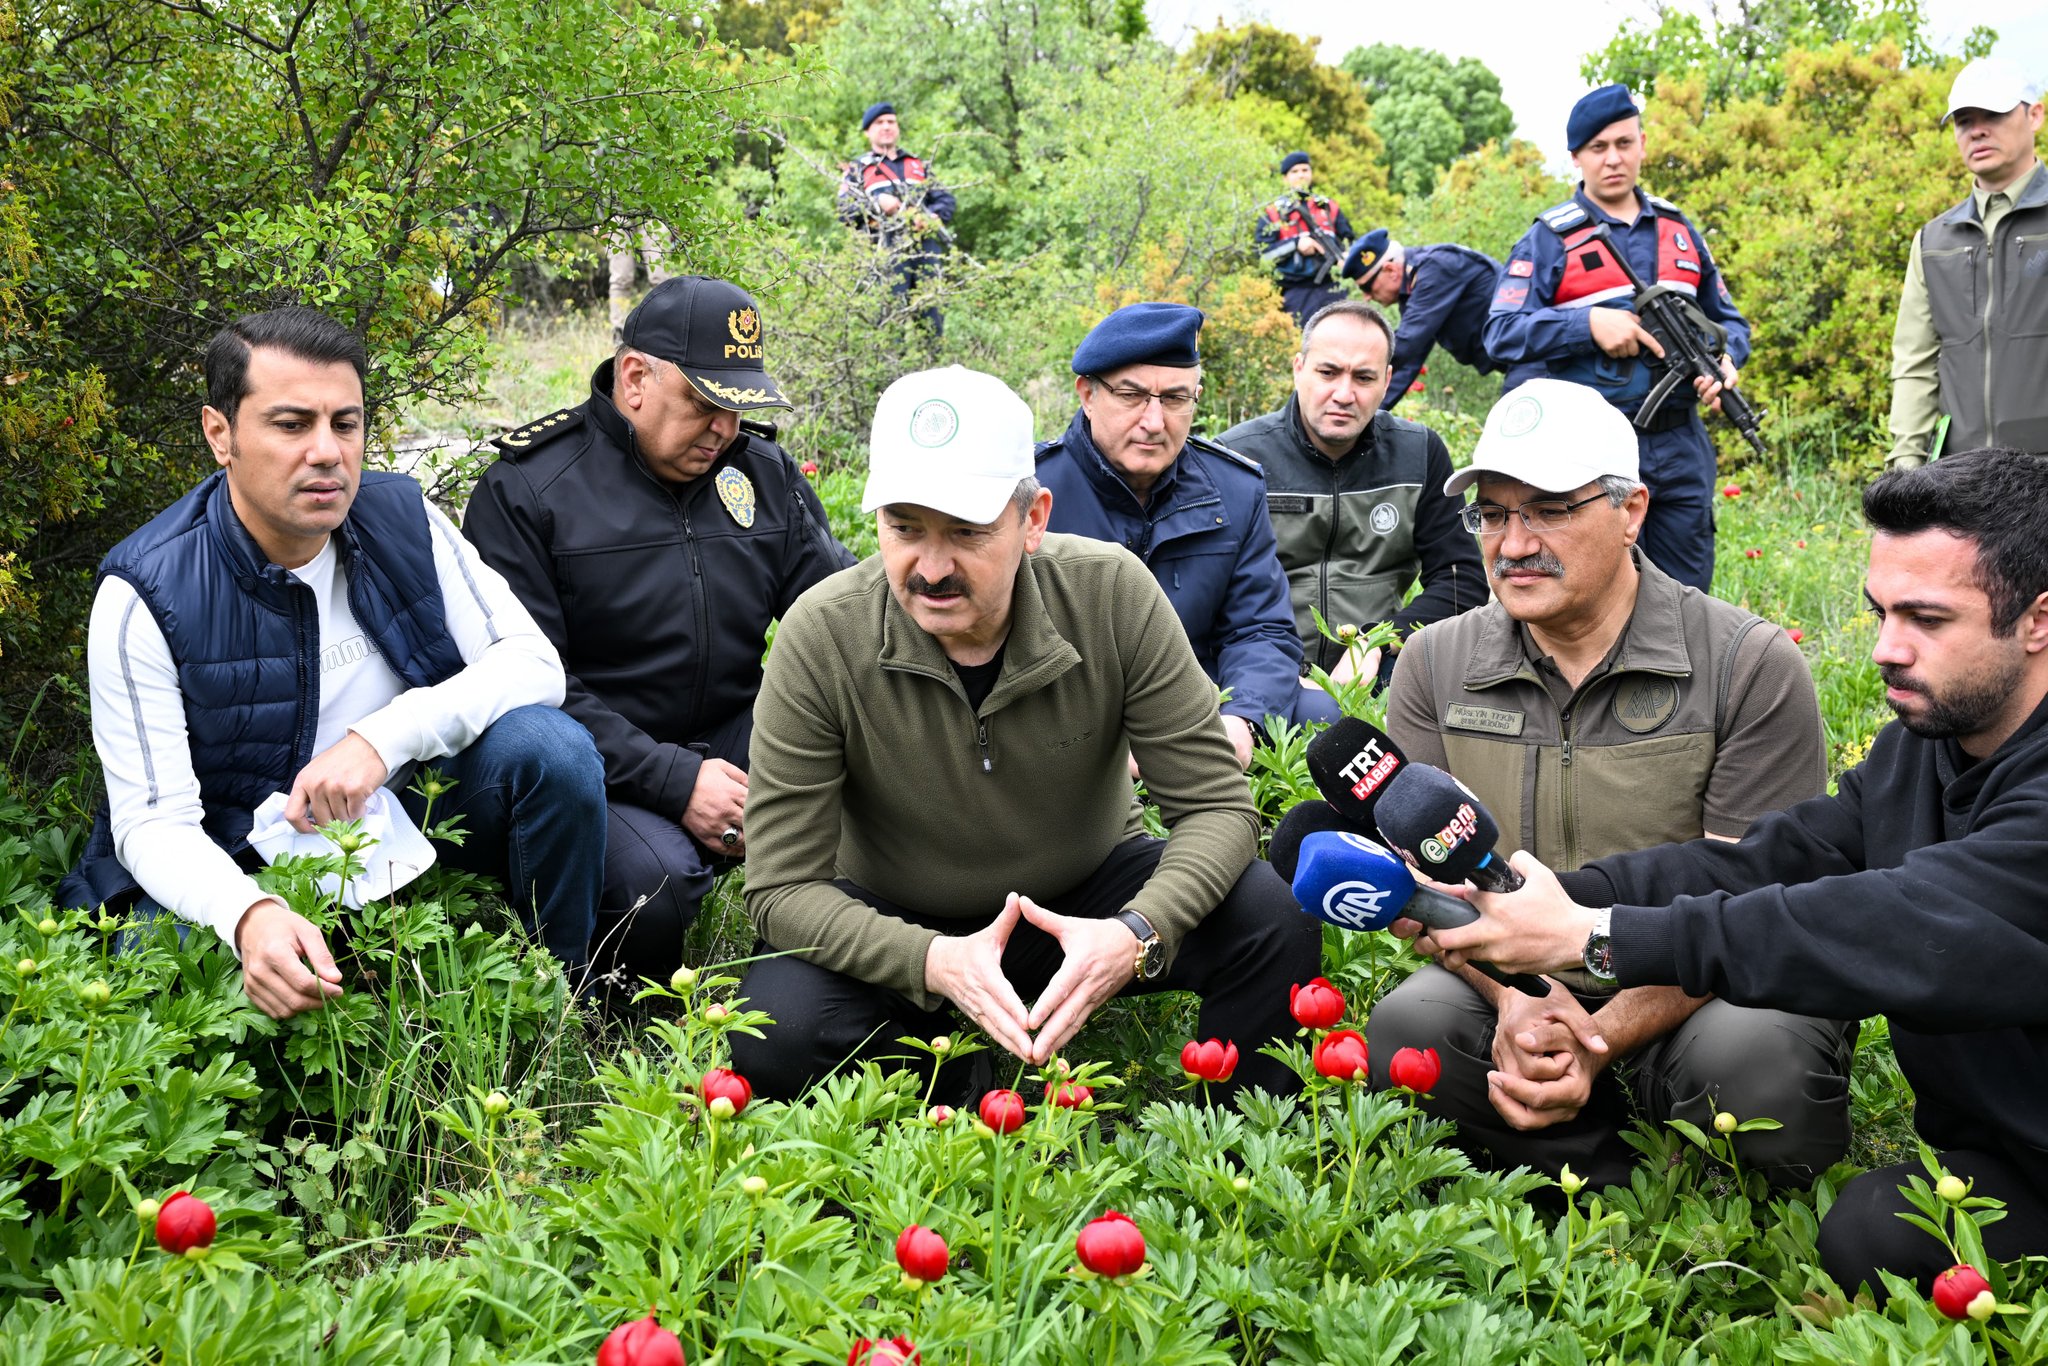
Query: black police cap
(711, 329)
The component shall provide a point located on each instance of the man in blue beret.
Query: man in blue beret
(891, 196)
(1563, 308)
(1444, 293)
(1128, 470)
(1302, 236)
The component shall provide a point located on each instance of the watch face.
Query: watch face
(1154, 959)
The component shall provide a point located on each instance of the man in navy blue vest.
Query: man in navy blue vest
(296, 625)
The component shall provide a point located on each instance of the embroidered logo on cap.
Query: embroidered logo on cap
(745, 326)
(933, 422)
(1520, 417)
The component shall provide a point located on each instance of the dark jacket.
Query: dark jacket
(1990, 305)
(1913, 893)
(1444, 302)
(657, 596)
(1354, 533)
(1206, 538)
(245, 637)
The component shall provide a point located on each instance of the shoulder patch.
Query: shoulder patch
(1562, 218)
(764, 430)
(1663, 205)
(514, 444)
(1046, 450)
(1205, 445)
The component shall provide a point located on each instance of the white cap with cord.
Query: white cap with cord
(1554, 436)
(954, 440)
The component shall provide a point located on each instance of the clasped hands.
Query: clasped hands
(1100, 960)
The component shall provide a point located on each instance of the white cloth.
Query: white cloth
(138, 721)
(393, 854)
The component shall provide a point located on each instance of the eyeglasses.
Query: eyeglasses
(1544, 514)
(1175, 401)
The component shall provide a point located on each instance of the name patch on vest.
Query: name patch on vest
(1490, 719)
(1643, 704)
(1286, 502)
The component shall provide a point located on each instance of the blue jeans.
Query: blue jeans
(530, 792)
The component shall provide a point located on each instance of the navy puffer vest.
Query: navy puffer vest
(245, 637)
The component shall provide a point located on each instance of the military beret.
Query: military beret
(1142, 334)
(875, 111)
(1292, 160)
(1595, 111)
(1366, 257)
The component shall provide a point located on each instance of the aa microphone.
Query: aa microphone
(1436, 822)
(1352, 763)
(1283, 850)
(1347, 880)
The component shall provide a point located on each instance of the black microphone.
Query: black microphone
(1352, 763)
(1349, 881)
(1440, 827)
(1307, 818)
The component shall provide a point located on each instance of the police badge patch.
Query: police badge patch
(736, 491)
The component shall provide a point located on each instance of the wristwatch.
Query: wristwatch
(1599, 947)
(1151, 948)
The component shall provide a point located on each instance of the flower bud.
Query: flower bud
(716, 1013)
(938, 1115)
(682, 979)
(106, 924)
(756, 1186)
(1724, 1123)
(722, 1107)
(943, 1044)
(95, 993)
(497, 1103)
(26, 967)
(145, 1210)
(1347, 633)
(1241, 1184)
(1569, 1181)
(47, 926)
(184, 1225)
(349, 843)
(1952, 1188)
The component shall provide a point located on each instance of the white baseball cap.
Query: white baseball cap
(1992, 84)
(1552, 436)
(953, 440)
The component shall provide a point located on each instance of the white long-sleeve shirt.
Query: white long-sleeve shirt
(138, 713)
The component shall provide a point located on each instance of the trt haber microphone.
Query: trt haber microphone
(1437, 823)
(1283, 850)
(1354, 883)
(1352, 762)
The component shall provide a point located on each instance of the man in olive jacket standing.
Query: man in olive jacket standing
(653, 531)
(941, 812)
(1356, 496)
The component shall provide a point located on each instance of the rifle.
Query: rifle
(892, 227)
(1692, 344)
(1332, 253)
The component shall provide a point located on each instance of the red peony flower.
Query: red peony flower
(722, 1083)
(809, 469)
(1111, 1245)
(1341, 1054)
(184, 1222)
(1317, 1005)
(1752, 554)
(1003, 1111)
(1072, 1095)
(642, 1342)
(921, 1253)
(896, 1351)
(1796, 634)
(1732, 491)
(1415, 1069)
(1213, 1060)
(1957, 1288)
(938, 1115)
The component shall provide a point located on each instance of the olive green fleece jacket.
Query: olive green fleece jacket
(868, 764)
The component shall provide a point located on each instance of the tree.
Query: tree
(1429, 109)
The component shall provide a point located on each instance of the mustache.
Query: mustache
(947, 587)
(1896, 677)
(1542, 562)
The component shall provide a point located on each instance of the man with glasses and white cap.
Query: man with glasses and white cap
(1128, 469)
(1971, 343)
(1595, 706)
(941, 821)
(654, 531)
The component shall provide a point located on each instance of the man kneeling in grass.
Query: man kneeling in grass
(941, 812)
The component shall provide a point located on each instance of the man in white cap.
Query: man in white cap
(941, 820)
(1967, 352)
(1596, 706)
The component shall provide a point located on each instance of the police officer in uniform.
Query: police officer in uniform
(1302, 236)
(1563, 309)
(1444, 293)
(1128, 470)
(653, 531)
(891, 196)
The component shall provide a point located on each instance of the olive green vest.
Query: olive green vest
(1989, 300)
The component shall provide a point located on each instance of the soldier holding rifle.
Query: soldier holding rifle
(890, 195)
(1302, 236)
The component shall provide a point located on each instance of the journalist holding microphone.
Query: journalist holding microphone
(1913, 893)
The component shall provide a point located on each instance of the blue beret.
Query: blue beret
(1595, 111)
(1142, 334)
(1366, 256)
(875, 111)
(1292, 160)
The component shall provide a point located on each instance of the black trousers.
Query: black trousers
(1241, 960)
(1862, 1231)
